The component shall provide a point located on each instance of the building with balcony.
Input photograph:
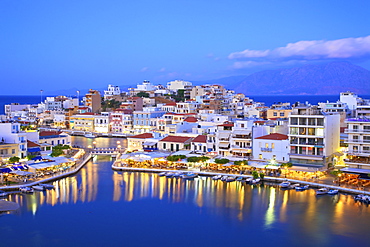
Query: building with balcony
(358, 154)
(314, 137)
(93, 100)
(13, 140)
(274, 146)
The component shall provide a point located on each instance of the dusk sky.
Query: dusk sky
(52, 45)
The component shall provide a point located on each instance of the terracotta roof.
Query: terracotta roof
(200, 138)
(259, 122)
(226, 125)
(32, 144)
(87, 113)
(191, 120)
(49, 133)
(181, 139)
(172, 103)
(143, 136)
(274, 136)
(180, 114)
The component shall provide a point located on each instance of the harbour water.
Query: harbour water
(102, 207)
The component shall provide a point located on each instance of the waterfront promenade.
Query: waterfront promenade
(325, 182)
(48, 178)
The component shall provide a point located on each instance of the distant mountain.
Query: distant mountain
(330, 78)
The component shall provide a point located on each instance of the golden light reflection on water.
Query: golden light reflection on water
(233, 200)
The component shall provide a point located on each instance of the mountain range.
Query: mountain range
(330, 78)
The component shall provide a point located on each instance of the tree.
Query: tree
(255, 174)
(176, 157)
(198, 159)
(14, 159)
(142, 94)
(222, 161)
(241, 162)
(30, 157)
(262, 175)
(58, 150)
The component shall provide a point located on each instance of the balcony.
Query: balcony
(356, 141)
(357, 131)
(266, 149)
(359, 152)
(357, 161)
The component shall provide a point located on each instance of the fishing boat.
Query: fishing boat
(217, 177)
(322, 191)
(256, 181)
(26, 189)
(177, 174)
(240, 179)
(230, 179)
(89, 135)
(189, 175)
(169, 174)
(162, 174)
(362, 198)
(301, 188)
(333, 192)
(47, 186)
(38, 187)
(3, 193)
(292, 186)
(285, 184)
(223, 178)
(248, 180)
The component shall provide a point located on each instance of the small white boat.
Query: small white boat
(38, 187)
(292, 186)
(89, 135)
(217, 177)
(169, 174)
(322, 191)
(333, 192)
(26, 190)
(284, 184)
(3, 193)
(300, 188)
(223, 178)
(230, 179)
(240, 179)
(189, 175)
(162, 174)
(47, 186)
(256, 181)
(248, 180)
(177, 174)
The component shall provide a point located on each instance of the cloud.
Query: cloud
(162, 70)
(348, 48)
(144, 69)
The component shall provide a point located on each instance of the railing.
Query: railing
(266, 149)
(357, 140)
(358, 152)
(357, 131)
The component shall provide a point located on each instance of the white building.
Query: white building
(314, 137)
(101, 124)
(272, 147)
(111, 91)
(10, 133)
(178, 84)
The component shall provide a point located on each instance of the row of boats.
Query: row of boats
(298, 187)
(184, 175)
(30, 189)
(38, 187)
(228, 178)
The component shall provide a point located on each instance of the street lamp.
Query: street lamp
(94, 144)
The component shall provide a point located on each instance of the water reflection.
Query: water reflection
(70, 190)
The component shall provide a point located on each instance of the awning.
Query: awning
(356, 170)
(34, 149)
(5, 170)
(43, 165)
(223, 145)
(22, 173)
(240, 132)
(61, 160)
(257, 164)
(37, 158)
(223, 135)
(149, 143)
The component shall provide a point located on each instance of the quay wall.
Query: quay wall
(266, 178)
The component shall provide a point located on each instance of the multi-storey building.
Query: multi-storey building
(82, 122)
(272, 147)
(111, 92)
(13, 139)
(313, 137)
(358, 154)
(93, 100)
(120, 121)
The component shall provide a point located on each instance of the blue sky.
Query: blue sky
(53, 45)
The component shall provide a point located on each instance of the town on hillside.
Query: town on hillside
(205, 120)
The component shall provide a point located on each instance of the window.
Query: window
(320, 122)
(13, 151)
(275, 114)
(294, 121)
(294, 131)
(282, 114)
(302, 121)
(164, 145)
(266, 145)
(273, 145)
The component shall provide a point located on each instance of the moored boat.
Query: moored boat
(301, 188)
(3, 193)
(230, 179)
(47, 186)
(217, 177)
(26, 189)
(322, 191)
(162, 174)
(293, 186)
(285, 184)
(248, 180)
(38, 187)
(169, 174)
(89, 135)
(333, 192)
(223, 178)
(189, 175)
(255, 181)
(240, 179)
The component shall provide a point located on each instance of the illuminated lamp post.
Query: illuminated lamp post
(94, 144)
(339, 176)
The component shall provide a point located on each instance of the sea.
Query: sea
(102, 207)
(267, 99)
